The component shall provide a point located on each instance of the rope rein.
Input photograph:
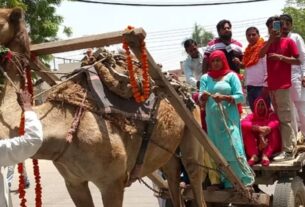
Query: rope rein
(242, 162)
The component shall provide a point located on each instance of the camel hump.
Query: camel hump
(112, 70)
(105, 82)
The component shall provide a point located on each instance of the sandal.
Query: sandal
(265, 161)
(253, 160)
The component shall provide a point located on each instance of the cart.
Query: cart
(286, 178)
(289, 188)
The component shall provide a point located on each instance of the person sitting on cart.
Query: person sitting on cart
(220, 92)
(261, 133)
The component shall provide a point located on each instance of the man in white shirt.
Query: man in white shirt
(17, 149)
(192, 66)
(193, 71)
(297, 90)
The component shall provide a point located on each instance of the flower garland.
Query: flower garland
(144, 94)
(5, 54)
(251, 55)
(20, 168)
(38, 188)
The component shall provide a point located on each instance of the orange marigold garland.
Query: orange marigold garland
(139, 95)
(251, 54)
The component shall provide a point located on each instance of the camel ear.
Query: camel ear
(16, 15)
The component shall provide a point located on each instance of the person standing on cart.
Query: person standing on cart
(281, 53)
(255, 78)
(297, 90)
(231, 48)
(192, 68)
(224, 42)
(220, 92)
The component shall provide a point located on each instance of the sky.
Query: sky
(166, 27)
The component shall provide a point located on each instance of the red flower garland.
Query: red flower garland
(20, 168)
(38, 189)
(138, 96)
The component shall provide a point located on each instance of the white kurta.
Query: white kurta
(297, 91)
(18, 149)
(298, 71)
(192, 68)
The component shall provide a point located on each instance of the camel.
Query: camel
(100, 152)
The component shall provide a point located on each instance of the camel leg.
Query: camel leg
(78, 189)
(172, 173)
(113, 193)
(192, 153)
(80, 194)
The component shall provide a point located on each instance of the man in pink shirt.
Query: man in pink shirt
(281, 53)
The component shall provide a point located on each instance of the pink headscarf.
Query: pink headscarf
(261, 114)
(224, 70)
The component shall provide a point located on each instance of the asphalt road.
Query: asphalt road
(54, 193)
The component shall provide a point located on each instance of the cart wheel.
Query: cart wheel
(289, 193)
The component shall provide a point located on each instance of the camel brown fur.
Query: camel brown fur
(100, 152)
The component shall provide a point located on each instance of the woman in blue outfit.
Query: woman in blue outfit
(222, 86)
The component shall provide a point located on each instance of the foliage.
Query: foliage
(296, 8)
(201, 36)
(41, 17)
(298, 3)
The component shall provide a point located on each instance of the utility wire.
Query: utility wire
(208, 28)
(168, 5)
(170, 41)
(239, 22)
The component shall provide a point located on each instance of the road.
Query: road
(54, 193)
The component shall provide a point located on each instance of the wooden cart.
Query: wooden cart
(285, 177)
(289, 174)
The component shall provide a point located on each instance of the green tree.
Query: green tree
(41, 17)
(296, 8)
(201, 36)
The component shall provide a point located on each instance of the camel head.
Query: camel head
(10, 20)
(14, 36)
